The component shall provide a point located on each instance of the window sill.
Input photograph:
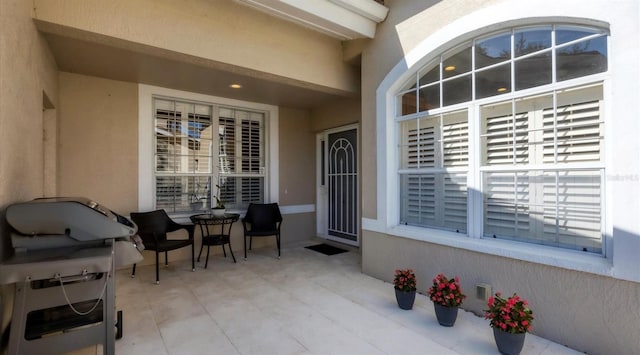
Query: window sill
(539, 254)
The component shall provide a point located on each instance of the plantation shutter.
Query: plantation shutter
(227, 142)
(252, 159)
(168, 190)
(455, 202)
(455, 154)
(506, 194)
(576, 221)
(420, 147)
(506, 204)
(579, 133)
(251, 143)
(243, 168)
(419, 200)
(183, 155)
(437, 196)
(560, 206)
(506, 141)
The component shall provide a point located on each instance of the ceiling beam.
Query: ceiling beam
(342, 19)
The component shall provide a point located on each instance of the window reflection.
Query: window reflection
(533, 71)
(429, 97)
(512, 60)
(431, 76)
(531, 40)
(458, 63)
(456, 91)
(582, 58)
(494, 81)
(409, 103)
(493, 50)
(564, 35)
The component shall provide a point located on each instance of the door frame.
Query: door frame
(322, 202)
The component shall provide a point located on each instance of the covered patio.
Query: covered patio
(304, 303)
(143, 105)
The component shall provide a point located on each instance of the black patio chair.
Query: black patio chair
(261, 220)
(153, 228)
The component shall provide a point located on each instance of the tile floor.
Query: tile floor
(304, 303)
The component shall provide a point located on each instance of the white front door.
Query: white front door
(338, 185)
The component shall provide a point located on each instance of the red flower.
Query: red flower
(511, 315)
(447, 291)
(404, 280)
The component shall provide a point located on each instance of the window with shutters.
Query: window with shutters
(434, 162)
(202, 150)
(542, 168)
(519, 116)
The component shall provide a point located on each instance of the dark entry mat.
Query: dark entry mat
(326, 249)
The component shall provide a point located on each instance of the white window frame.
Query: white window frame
(622, 172)
(472, 106)
(146, 171)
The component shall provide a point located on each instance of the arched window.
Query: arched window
(516, 116)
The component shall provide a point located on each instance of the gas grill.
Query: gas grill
(65, 254)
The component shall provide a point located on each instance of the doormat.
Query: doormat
(326, 249)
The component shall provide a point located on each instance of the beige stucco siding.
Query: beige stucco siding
(594, 313)
(219, 33)
(335, 114)
(297, 157)
(99, 140)
(27, 74)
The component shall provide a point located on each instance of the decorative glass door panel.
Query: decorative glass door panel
(342, 178)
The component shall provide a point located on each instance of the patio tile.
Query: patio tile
(303, 303)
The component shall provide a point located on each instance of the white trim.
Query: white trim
(295, 209)
(621, 136)
(145, 138)
(367, 8)
(343, 19)
(321, 190)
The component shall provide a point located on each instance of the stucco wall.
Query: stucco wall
(596, 312)
(99, 141)
(215, 33)
(336, 114)
(27, 73)
(590, 313)
(297, 157)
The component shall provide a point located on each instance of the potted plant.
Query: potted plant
(447, 296)
(219, 209)
(511, 320)
(404, 283)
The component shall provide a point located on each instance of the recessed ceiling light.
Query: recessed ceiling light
(502, 89)
(450, 68)
(235, 86)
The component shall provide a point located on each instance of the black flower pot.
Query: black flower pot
(508, 343)
(446, 315)
(405, 298)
